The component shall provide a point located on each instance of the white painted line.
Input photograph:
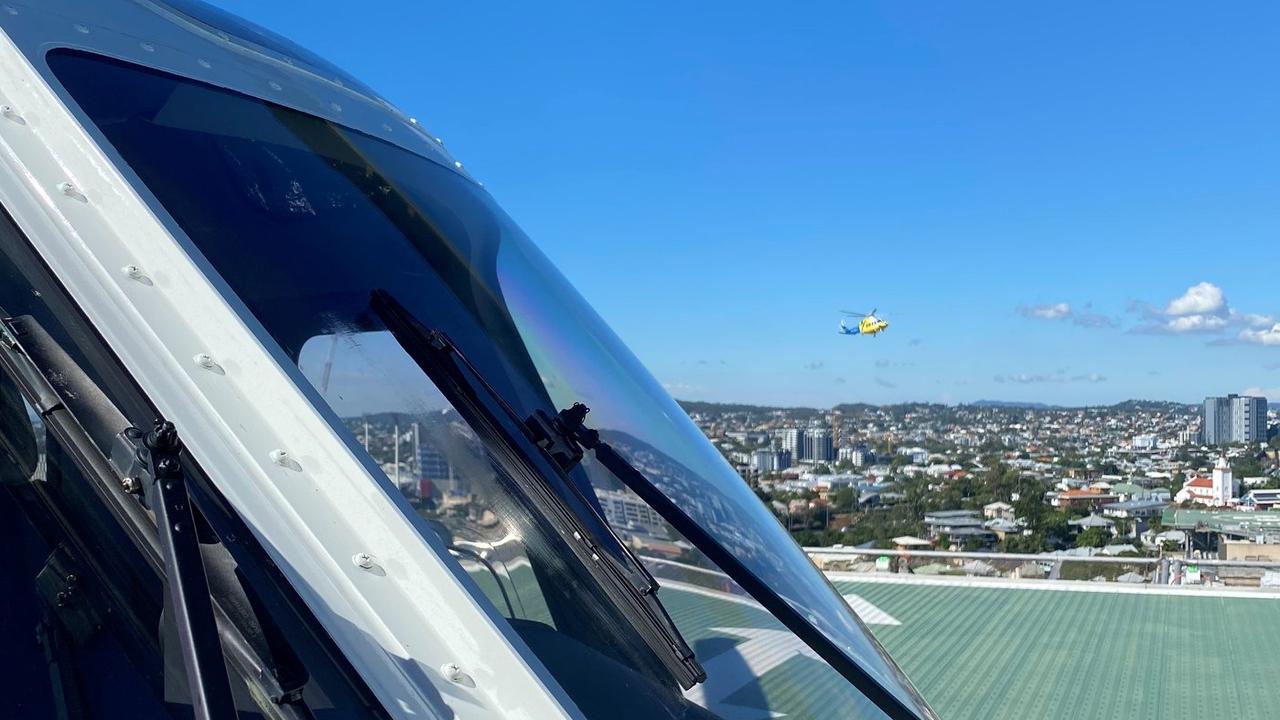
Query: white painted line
(1058, 585)
(868, 613)
(865, 610)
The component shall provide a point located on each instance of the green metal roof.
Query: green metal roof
(985, 652)
(1221, 520)
(977, 652)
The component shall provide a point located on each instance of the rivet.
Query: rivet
(8, 112)
(413, 120)
(438, 141)
(335, 107)
(576, 535)
(206, 361)
(280, 457)
(387, 127)
(275, 85)
(133, 272)
(363, 560)
(204, 63)
(147, 46)
(454, 674)
(70, 191)
(457, 164)
(82, 29)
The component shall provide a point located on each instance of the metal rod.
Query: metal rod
(873, 552)
(186, 584)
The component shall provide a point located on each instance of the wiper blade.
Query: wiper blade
(509, 441)
(572, 436)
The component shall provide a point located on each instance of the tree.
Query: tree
(1093, 537)
(1032, 543)
(1246, 466)
(821, 469)
(1124, 527)
(844, 499)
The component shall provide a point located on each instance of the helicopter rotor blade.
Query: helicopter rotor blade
(856, 314)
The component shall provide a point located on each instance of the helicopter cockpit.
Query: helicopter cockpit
(302, 281)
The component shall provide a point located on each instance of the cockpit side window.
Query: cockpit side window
(277, 181)
(80, 585)
(433, 458)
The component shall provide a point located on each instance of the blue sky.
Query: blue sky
(1076, 205)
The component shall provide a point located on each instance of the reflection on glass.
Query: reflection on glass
(580, 360)
(432, 456)
(304, 220)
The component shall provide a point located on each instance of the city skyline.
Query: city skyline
(1074, 208)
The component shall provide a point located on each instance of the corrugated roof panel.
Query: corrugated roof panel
(978, 652)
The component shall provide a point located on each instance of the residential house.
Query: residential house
(1001, 510)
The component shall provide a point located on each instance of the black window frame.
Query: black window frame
(276, 603)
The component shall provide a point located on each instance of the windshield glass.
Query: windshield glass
(306, 220)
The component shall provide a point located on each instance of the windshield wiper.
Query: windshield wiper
(566, 436)
(632, 590)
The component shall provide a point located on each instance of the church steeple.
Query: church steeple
(1224, 491)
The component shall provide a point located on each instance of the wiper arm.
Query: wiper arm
(509, 441)
(566, 435)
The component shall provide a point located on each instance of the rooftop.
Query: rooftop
(980, 648)
(1220, 520)
(997, 651)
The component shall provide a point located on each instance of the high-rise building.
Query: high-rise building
(858, 456)
(819, 446)
(437, 475)
(1234, 419)
(624, 510)
(767, 460)
(793, 439)
(764, 461)
(1249, 419)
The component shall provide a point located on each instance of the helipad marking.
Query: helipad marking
(868, 613)
(744, 663)
(762, 650)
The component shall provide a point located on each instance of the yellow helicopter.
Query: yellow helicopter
(869, 324)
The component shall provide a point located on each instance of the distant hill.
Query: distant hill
(1125, 406)
(700, 406)
(1014, 404)
(1156, 406)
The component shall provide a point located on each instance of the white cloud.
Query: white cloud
(1195, 323)
(1090, 378)
(1272, 394)
(1268, 336)
(1056, 311)
(678, 388)
(1092, 319)
(1201, 309)
(1253, 320)
(1063, 311)
(1057, 377)
(1199, 299)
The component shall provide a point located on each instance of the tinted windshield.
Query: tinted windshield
(305, 220)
